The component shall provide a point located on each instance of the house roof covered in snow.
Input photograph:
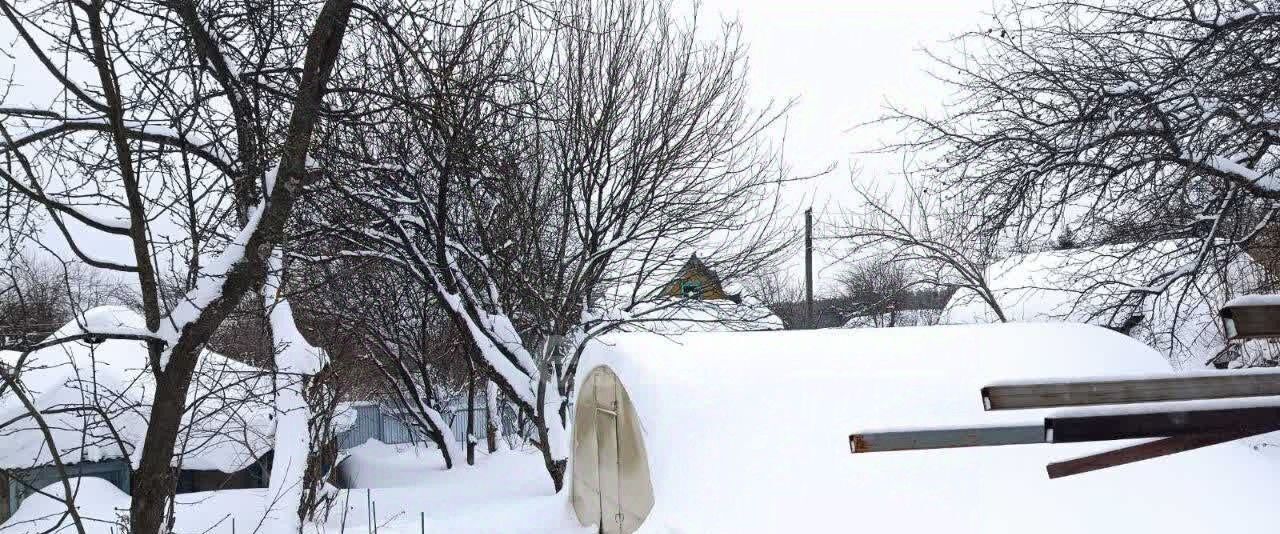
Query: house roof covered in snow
(95, 398)
(1094, 285)
(749, 432)
(696, 280)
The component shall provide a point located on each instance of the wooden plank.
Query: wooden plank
(1060, 394)
(908, 440)
(1260, 321)
(1143, 451)
(1160, 424)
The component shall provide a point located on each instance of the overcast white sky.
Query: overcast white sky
(843, 60)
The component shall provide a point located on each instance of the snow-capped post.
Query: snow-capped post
(296, 361)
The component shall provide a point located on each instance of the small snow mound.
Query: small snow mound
(119, 320)
(100, 504)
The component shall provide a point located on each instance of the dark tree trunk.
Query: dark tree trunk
(153, 483)
(471, 414)
(492, 414)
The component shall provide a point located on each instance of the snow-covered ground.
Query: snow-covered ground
(506, 492)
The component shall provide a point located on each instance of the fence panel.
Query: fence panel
(394, 429)
(382, 424)
(368, 425)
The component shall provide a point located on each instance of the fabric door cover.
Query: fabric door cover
(611, 486)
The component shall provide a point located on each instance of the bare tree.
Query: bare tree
(147, 128)
(417, 351)
(931, 234)
(1136, 124)
(37, 297)
(879, 294)
(543, 184)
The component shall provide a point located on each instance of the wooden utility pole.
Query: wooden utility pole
(808, 268)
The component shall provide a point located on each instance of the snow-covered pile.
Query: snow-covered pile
(93, 392)
(748, 432)
(1088, 286)
(102, 508)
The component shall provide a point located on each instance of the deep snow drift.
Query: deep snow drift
(748, 432)
(507, 492)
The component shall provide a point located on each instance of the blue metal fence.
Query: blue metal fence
(114, 471)
(388, 426)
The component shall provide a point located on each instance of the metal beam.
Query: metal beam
(1160, 424)
(1143, 451)
(1060, 394)
(907, 440)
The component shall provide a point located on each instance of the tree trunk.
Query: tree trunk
(322, 400)
(555, 465)
(471, 414)
(289, 463)
(152, 484)
(491, 416)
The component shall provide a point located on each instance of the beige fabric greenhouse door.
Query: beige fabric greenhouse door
(611, 486)
(607, 447)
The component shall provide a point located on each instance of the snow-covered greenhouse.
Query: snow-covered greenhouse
(748, 432)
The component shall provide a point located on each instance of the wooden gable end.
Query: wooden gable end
(695, 280)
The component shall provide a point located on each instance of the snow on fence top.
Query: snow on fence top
(91, 393)
(748, 432)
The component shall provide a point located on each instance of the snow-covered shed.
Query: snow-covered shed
(748, 432)
(94, 397)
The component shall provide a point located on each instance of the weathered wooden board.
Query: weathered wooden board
(1060, 394)
(1143, 451)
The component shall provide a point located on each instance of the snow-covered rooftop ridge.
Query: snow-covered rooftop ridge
(227, 425)
(1255, 300)
(748, 432)
(1091, 285)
